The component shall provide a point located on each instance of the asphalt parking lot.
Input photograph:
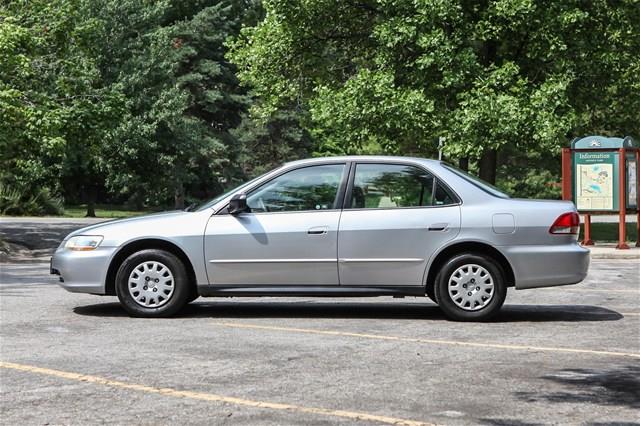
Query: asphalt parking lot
(559, 355)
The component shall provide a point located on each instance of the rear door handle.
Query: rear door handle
(438, 226)
(318, 230)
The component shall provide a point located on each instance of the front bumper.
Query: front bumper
(547, 266)
(82, 271)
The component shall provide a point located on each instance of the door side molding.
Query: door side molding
(383, 260)
(271, 260)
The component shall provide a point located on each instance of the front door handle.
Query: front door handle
(318, 230)
(438, 227)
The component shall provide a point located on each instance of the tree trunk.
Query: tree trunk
(488, 165)
(179, 195)
(92, 195)
(463, 163)
(138, 202)
(489, 159)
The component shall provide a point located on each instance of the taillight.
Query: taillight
(566, 223)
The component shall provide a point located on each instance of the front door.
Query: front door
(288, 238)
(395, 218)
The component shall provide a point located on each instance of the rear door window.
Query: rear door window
(387, 186)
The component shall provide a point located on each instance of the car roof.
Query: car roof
(381, 158)
(465, 190)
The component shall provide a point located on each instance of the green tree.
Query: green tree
(265, 144)
(183, 100)
(394, 76)
(55, 111)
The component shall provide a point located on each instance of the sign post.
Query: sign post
(637, 188)
(600, 175)
(622, 224)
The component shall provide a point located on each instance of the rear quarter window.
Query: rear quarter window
(476, 181)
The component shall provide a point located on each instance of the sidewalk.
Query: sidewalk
(609, 251)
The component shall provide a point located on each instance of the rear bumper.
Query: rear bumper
(547, 266)
(82, 271)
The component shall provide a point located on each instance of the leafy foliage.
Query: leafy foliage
(266, 144)
(183, 99)
(394, 76)
(15, 202)
(56, 112)
(158, 102)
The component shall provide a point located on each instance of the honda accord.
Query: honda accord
(340, 227)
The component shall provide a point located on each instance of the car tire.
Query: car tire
(153, 284)
(470, 287)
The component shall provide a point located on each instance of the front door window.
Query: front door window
(307, 189)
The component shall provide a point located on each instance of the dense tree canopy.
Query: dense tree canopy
(154, 102)
(183, 99)
(516, 76)
(55, 113)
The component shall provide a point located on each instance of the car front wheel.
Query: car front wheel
(152, 283)
(470, 287)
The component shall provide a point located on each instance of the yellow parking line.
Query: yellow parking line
(352, 415)
(428, 341)
(582, 290)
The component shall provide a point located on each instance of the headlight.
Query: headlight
(83, 242)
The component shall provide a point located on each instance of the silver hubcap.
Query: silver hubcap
(471, 287)
(151, 284)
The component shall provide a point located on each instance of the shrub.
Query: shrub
(18, 203)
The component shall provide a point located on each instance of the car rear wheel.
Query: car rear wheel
(470, 287)
(152, 283)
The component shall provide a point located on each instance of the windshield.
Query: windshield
(220, 197)
(485, 186)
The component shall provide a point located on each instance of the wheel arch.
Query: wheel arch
(470, 247)
(143, 244)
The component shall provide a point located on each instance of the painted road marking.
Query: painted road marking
(601, 290)
(352, 415)
(427, 341)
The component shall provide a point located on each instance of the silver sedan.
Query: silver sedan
(341, 226)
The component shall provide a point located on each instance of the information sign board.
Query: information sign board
(595, 186)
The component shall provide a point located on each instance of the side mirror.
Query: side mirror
(238, 204)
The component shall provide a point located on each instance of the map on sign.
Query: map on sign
(595, 186)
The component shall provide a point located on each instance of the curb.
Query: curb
(613, 253)
(630, 256)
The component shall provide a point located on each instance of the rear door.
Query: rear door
(395, 217)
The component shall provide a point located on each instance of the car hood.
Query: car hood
(106, 225)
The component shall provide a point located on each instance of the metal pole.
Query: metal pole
(638, 197)
(587, 231)
(622, 237)
(566, 174)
